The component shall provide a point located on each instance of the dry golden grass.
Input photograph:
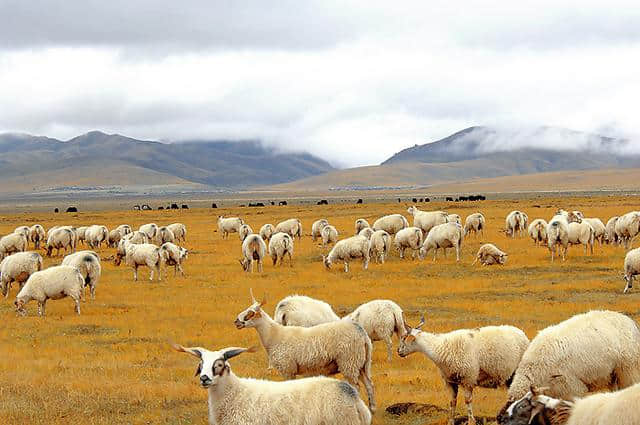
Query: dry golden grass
(112, 364)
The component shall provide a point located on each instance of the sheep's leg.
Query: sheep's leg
(135, 273)
(401, 252)
(435, 253)
(44, 308)
(365, 264)
(389, 345)
(453, 401)
(181, 269)
(468, 400)
(458, 252)
(368, 385)
(77, 301)
(39, 309)
(290, 259)
(92, 291)
(260, 266)
(346, 267)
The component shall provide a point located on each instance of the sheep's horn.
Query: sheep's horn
(253, 299)
(421, 322)
(232, 352)
(192, 351)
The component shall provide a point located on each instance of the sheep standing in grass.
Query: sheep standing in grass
(253, 249)
(149, 229)
(474, 223)
(582, 233)
(17, 268)
(448, 235)
(558, 235)
(326, 349)
(88, 264)
(179, 231)
(454, 218)
(379, 246)
(124, 229)
(244, 231)
(514, 223)
(627, 228)
(538, 231)
(53, 283)
(482, 357)
(631, 268)
(81, 234)
(329, 235)
(361, 223)
(599, 230)
(241, 401)
(391, 224)
(411, 238)
(136, 237)
(24, 230)
(164, 235)
(426, 220)
(489, 254)
(367, 232)
(611, 236)
(173, 255)
(136, 255)
(12, 243)
(266, 231)
(228, 225)
(114, 238)
(95, 235)
(60, 238)
(380, 319)
(280, 245)
(291, 226)
(346, 250)
(37, 235)
(316, 228)
(299, 310)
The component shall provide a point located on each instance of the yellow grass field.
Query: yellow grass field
(113, 363)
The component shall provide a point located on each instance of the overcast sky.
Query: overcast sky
(351, 81)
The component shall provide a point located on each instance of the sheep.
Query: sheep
(631, 268)
(114, 238)
(244, 231)
(136, 255)
(24, 230)
(149, 229)
(391, 224)
(240, 401)
(325, 349)
(266, 231)
(380, 319)
(448, 235)
(599, 229)
(538, 231)
(124, 229)
(60, 238)
(37, 235)
(317, 227)
(489, 254)
(95, 235)
(17, 268)
(367, 232)
(179, 231)
(281, 244)
(346, 250)
(81, 233)
(361, 223)
(88, 264)
(12, 243)
(228, 225)
(136, 237)
(410, 237)
(558, 235)
(299, 310)
(483, 357)
(581, 233)
(291, 226)
(379, 245)
(330, 235)
(426, 220)
(627, 228)
(454, 218)
(53, 283)
(588, 352)
(515, 223)
(173, 255)
(164, 234)
(610, 236)
(474, 223)
(253, 249)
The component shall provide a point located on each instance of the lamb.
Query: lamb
(538, 231)
(410, 237)
(136, 237)
(330, 235)
(17, 268)
(581, 233)
(346, 250)
(454, 218)
(149, 229)
(95, 235)
(474, 223)
(253, 249)
(426, 220)
(88, 264)
(367, 232)
(281, 244)
(483, 357)
(631, 268)
(329, 348)
(37, 235)
(266, 231)
(12, 243)
(299, 310)
(627, 228)
(448, 235)
(244, 231)
(114, 238)
(379, 246)
(163, 235)
(588, 352)
(240, 401)
(361, 223)
(136, 255)
(558, 235)
(489, 254)
(611, 237)
(317, 227)
(514, 223)
(291, 226)
(179, 231)
(599, 230)
(228, 225)
(380, 319)
(173, 255)
(53, 283)
(124, 229)
(391, 224)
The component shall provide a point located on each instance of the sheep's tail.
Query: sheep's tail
(39, 263)
(398, 317)
(387, 245)
(299, 233)
(419, 234)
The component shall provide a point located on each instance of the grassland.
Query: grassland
(113, 365)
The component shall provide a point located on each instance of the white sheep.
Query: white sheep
(411, 238)
(627, 228)
(95, 235)
(582, 234)
(174, 255)
(367, 232)
(53, 283)
(300, 310)
(347, 250)
(380, 319)
(329, 235)
(361, 223)
(163, 235)
(12, 243)
(426, 220)
(17, 268)
(538, 231)
(291, 226)
(149, 229)
(136, 237)
(379, 246)
(124, 229)
(81, 234)
(179, 231)
(631, 268)
(37, 235)
(489, 254)
(317, 227)
(281, 245)
(611, 237)
(253, 249)
(88, 264)
(558, 235)
(266, 231)
(482, 357)
(391, 224)
(325, 349)
(448, 235)
(241, 401)
(244, 231)
(474, 223)
(114, 238)
(22, 230)
(454, 218)
(599, 229)
(515, 223)
(136, 255)
(60, 238)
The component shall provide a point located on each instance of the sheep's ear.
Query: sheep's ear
(192, 351)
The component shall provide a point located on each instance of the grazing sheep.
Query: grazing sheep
(410, 237)
(88, 264)
(627, 228)
(149, 229)
(300, 310)
(53, 283)
(611, 236)
(426, 220)
(114, 238)
(483, 357)
(244, 231)
(588, 352)
(454, 218)
(599, 230)
(12, 243)
(448, 235)
(173, 255)
(163, 235)
(317, 227)
(281, 244)
(240, 401)
(380, 319)
(228, 225)
(379, 246)
(391, 224)
(60, 238)
(538, 231)
(124, 229)
(631, 268)
(361, 223)
(37, 235)
(367, 232)
(266, 232)
(581, 234)
(17, 268)
(515, 223)
(291, 226)
(136, 255)
(253, 249)
(489, 254)
(24, 230)
(330, 235)
(136, 237)
(95, 235)
(474, 223)
(81, 234)
(558, 235)
(329, 348)
(179, 231)
(346, 250)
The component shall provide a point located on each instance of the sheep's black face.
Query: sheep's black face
(516, 413)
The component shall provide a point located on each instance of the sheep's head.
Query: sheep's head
(574, 217)
(411, 210)
(250, 317)
(535, 408)
(408, 343)
(502, 258)
(184, 253)
(213, 364)
(423, 252)
(20, 310)
(327, 262)
(244, 263)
